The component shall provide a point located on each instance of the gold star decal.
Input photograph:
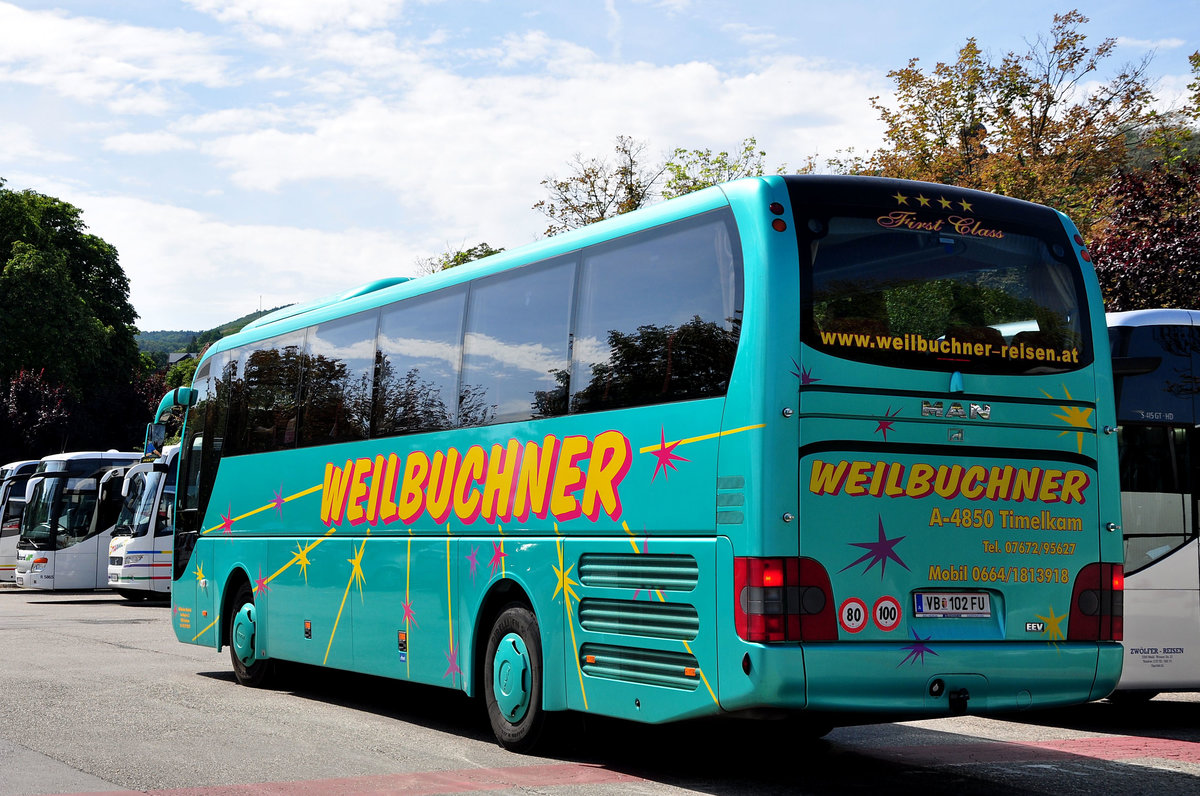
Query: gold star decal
(199, 572)
(564, 579)
(1075, 416)
(945, 203)
(965, 205)
(356, 573)
(1053, 625)
(301, 557)
(922, 201)
(900, 198)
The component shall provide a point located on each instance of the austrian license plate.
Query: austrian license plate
(972, 605)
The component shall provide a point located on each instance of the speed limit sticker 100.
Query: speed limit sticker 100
(886, 613)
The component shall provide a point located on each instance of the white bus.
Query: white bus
(74, 503)
(1156, 374)
(139, 556)
(14, 477)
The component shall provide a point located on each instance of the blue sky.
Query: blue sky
(247, 152)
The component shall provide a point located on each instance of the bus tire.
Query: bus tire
(243, 635)
(512, 679)
(133, 595)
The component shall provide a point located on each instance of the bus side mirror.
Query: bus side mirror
(156, 435)
(180, 396)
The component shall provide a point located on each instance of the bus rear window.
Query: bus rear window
(940, 300)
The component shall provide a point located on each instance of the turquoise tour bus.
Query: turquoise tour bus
(826, 448)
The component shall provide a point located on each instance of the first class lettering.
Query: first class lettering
(561, 478)
(893, 479)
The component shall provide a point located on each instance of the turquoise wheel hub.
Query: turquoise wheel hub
(512, 677)
(243, 634)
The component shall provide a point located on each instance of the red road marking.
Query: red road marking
(420, 783)
(1105, 747)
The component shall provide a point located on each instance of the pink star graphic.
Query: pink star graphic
(886, 425)
(666, 456)
(278, 501)
(260, 585)
(452, 659)
(474, 562)
(228, 524)
(498, 555)
(410, 617)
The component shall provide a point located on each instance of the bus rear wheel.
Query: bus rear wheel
(512, 679)
(243, 636)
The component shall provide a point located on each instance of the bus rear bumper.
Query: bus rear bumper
(926, 679)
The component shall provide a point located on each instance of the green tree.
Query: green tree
(1039, 125)
(65, 296)
(598, 188)
(693, 169)
(452, 258)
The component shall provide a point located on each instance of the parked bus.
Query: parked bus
(1155, 375)
(786, 445)
(74, 503)
(14, 477)
(139, 556)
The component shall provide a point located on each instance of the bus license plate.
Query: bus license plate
(953, 604)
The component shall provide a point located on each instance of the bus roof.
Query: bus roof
(80, 455)
(1155, 317)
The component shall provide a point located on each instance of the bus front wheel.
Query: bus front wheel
(512, 679)
(243, 636)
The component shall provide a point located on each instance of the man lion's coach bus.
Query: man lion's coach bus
(786, 444)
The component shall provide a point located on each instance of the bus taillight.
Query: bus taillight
(1098, 604)
(782, 599)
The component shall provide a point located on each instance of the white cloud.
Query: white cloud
(147, 143)
(1151, 44)
(191, 270)
(21, 145)
(302, 16)
(91, 60)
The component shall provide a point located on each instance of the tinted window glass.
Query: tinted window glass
(659, 316)
(203, 441)
(1153, 369)
(417, 367)
(925, 295)
(515, 348)
(271, 374)
(340, 364)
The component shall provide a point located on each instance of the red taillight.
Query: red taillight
(783, 599)
(1098, 604)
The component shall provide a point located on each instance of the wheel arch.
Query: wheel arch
(237, 576)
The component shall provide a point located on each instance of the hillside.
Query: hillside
(159, 344)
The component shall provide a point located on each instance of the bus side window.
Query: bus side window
(416, 364)
(337, 382)
(271, 374)
(515, 346)
(1157, 502)
(659, 316)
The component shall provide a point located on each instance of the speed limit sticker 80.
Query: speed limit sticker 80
(853, 615)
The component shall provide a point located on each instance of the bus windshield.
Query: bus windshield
(990, 301)
(147, 505)
(127, 519)
(59, 513)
